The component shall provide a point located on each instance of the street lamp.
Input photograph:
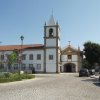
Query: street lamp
(22, 38)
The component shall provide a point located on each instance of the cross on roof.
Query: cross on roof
(69, 42)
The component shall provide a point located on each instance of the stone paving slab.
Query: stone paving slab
(52, 87)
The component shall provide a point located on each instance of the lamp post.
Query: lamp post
(20, 65)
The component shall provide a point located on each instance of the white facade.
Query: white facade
(50, 64)
(35, 62)
(42, 58)
(51, 42)
(71, 59)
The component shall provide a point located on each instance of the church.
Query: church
(43, 58)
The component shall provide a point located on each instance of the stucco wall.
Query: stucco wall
(51, 42)
(51, 64)
(34, 61)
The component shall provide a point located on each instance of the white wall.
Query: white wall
(50, 52)
(59, 32)
(5, 53)
(27, 61)
(74, 58)
(51, 42)
(63, 58)
(58, 42)
(51, 64)
(51, 67)
(58, 58)
(34, 61)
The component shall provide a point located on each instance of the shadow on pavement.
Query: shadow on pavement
(76, 76)
(91, 80)
(95, 81)
(97, 84)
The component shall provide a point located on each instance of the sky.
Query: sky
(79, 21)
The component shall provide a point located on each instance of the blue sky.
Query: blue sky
(79, 20)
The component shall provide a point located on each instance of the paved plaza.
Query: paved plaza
(52, 87)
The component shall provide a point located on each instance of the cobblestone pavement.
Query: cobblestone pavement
(52, 87)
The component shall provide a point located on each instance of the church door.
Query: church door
(69, 67)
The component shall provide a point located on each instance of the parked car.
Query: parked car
(92, 71)
(84, 72)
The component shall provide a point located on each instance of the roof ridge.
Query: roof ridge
(20, 44)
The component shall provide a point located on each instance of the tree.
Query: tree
(12, 58)
(86, 64)
(92, 52)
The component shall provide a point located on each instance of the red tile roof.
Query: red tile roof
(18, 47)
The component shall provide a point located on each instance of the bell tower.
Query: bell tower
(52, 46)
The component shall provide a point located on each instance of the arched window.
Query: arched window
(50, 32)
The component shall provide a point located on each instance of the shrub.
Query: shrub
(7, 75)
(14, 77)
(27, 76)
(2, 70)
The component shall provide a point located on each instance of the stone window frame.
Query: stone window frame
(23, 56)
(31, 66)
(69, 56)
(31, 57)
(23, 67)
(38, 66)
(38, 56)
(51, 57)
(15, 66)
(2, 57)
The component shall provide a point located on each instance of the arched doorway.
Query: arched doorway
(69, 67)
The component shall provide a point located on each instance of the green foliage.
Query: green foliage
(92, 52)
(2, 67)
(86, 64)
(2, 70)
(9, 77)
(12, 58)
(26, 76)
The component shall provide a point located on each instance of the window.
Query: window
(2, 57)
(30, 66)
(38, 56)
(50, 57)
(38, 66)
(1, 66)
(69, 56)
(24, 57)
(50, 32)
(23, 66)
(15, 66)
(7, 57)
(31, 57)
